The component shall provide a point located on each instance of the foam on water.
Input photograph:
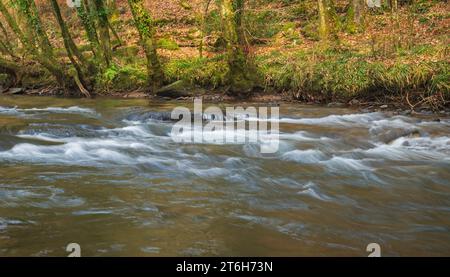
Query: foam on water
(310, 189)
(223, 136)
(411, 148)
(5, 222)
(438, 144)
(338, 163)
(64, 110)
(304, 156)
(331, 120)
(79, 152)
(302, 136)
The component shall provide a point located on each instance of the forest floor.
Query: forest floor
(397, 58)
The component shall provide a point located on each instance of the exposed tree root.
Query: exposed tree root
(80, 86)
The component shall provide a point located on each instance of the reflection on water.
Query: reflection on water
(107, 174)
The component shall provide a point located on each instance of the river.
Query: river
(98, 173)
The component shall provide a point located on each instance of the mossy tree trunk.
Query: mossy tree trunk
(357, 11)
(85, 17)
(46, 59)
(328, 21)
(35, 29)
(73, 51)
(30, 12)
(35, 34)
(144, 25)
(103, 30)
(394, 5)
(70, 45)
(203, 27)
(241, 73)
(11, 69)
(5, 42)
(323, 19)
(10, 20)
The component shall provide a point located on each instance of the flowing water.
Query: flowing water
(107, 174)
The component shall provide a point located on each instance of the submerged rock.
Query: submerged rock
(353, 102)
(16, 90)
(387, 135)
(335, 105)
(144, 116)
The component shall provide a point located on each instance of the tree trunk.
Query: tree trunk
(45, 56)
(72, 50)
(5, 43)
(103, 28)
(144, 25)
(394, 5)
(240, 74)
(34, 26)
(358, 12)
(13, 25)
(10, 69)
(203, 27)
(323, 19)
(42, 35)
(69, 44)
(89, 27)
(46, 61)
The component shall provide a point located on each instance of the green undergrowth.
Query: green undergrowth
(121, 78)
(320, 75)
(331, 75)
(204, 72)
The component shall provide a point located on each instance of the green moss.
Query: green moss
(121, 78)
(167, 43)
(199, 71)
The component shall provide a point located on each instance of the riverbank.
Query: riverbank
(267, 98)
(398, 60)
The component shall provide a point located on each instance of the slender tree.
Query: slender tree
(72, 52)
(146, 30)
(358, 9)
(9, 68)
(394, 5)
(36, 42)
(203, 27)
(322, 6)
(85, 16)
(5, 42)
(34, 28)
(71, 47)
(241, 72)
(103, 27)
(45, 58)
(10, 20)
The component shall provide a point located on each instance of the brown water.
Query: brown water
(97, 173)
